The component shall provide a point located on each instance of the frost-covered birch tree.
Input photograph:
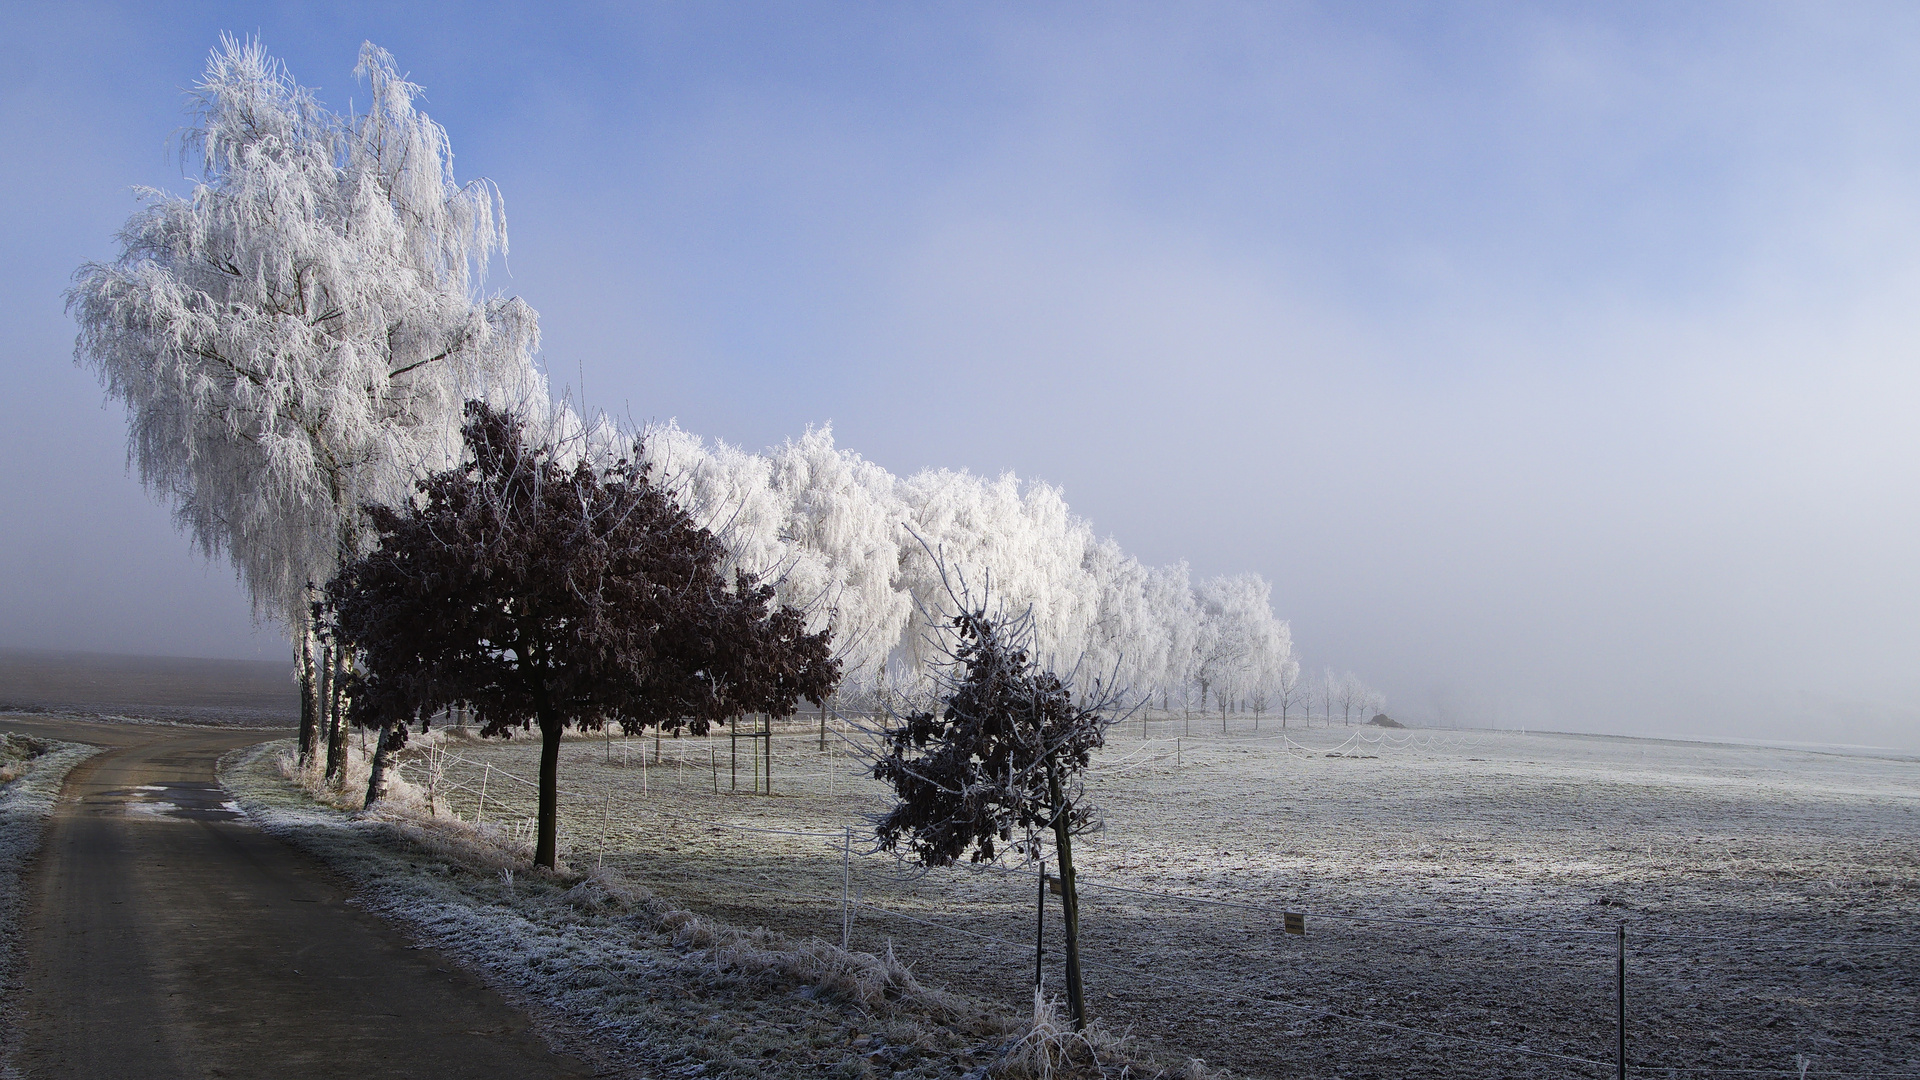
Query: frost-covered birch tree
(295, 337)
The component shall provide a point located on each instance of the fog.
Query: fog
(1555, 363)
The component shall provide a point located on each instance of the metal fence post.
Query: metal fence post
(1620, 999)
(1040, 928)
(846, 894)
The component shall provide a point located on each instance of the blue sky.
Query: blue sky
(1554, 361)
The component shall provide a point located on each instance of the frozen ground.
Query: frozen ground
(1787, 878)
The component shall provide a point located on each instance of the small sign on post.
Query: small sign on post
(1296, 923)
(1053, 886)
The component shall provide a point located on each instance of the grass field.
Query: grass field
(1425, 862)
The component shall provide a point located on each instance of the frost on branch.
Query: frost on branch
(295, 338)
(999, 756)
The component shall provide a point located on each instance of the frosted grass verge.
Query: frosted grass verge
(31, 772)
(625, 979)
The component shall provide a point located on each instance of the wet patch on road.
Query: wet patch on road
(192, 800)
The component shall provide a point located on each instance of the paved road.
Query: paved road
(166, 937)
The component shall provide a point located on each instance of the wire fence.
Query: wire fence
(640, 813)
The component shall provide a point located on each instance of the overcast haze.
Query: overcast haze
(1555, 363)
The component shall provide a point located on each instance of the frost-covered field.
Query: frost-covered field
(1788, 872)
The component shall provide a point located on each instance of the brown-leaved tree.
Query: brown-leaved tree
(543, 594)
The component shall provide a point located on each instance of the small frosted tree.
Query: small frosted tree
(1289, 691)
(998, 757)
(294, 339)
(1354, 697)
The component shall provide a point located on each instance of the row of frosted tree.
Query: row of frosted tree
(296, 338)
(860, 548)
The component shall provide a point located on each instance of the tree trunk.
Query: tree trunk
(309, 701)
(1069, 897)
(377, 776)
(336, 723)
(547, 846)
(325, 705)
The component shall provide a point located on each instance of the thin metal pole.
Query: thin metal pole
(846, 894)
(1620, 999)
(1040, 928)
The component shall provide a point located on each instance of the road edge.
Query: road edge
(25, 806)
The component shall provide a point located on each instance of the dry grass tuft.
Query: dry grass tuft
(406, 813)
(1047, 1048)
(604, 891)
(351, 792)
(882, 984)
(16, 751)
(482, 848)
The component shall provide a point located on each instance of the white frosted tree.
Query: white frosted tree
(1374, 705)
(1353, 696)
(1239, 642)
(1175, 614)
(1289, 690)
(845, 531)
(854, 546)
(295, 337)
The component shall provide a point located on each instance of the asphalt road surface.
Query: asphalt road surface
(167, 937)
